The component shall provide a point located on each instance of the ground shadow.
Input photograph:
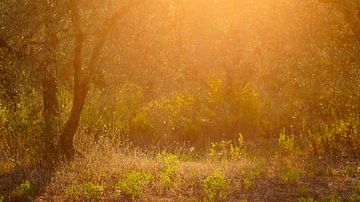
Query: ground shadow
(25, 183)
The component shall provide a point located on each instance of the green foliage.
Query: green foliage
(167, 175)
(323, 171)
(24, 188)
(286, 142)
(355, 195)
(308, 199)
(93, 190)
(340, 137)
(216, 187)
(248, 182)
(303, 190)
(133, 184)
(251, 175)
(72, 190)
(290, 175)
(227, 150)
(352, 171)
(330, 199)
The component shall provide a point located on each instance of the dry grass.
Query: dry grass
(103, 164)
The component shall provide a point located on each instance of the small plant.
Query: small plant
(351, 171)
(171, 164)
(224, 150)
(2, 199)
(324, 171)
(216, 187)
(93, 190)
(238, 151)
(308, 199)
(72, 190)
(248, 182)
(286, 142)
(303, 190)
(219, 150)
(24, 188)
(330, 199)
(290, 176)
(133, 184)
(355, 196)
(251, 175)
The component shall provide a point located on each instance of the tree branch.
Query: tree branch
(76, 23)
(109, 25)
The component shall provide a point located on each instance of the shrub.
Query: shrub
(225, 150)
(216, 187)
(72, 190)
(93, 190)
(171, 164)
(133, 184)
(341, 137)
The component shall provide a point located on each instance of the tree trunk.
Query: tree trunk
(81, 80)
(67, 136)
(51, 108)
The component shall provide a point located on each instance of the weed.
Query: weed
(216, 187)
(324, 171)
(308, 199)
(303, 190)
(355, 196)
(224, 150)
(286, 142)
(171, 164)
(24, 188)
(330, 199)
(238, 151)
(248, 182)
(72, 190)
(290, 176)
(132, 186)
(93, 190)
(351, 171)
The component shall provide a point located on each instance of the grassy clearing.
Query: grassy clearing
(107, 172)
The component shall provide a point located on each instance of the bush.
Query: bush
(93, 190)
(216, 187)
(133, 184)
(72, 190)
(225, 150)
(337, 139)
(171, 164)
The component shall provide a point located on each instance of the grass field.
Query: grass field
(226, 171)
